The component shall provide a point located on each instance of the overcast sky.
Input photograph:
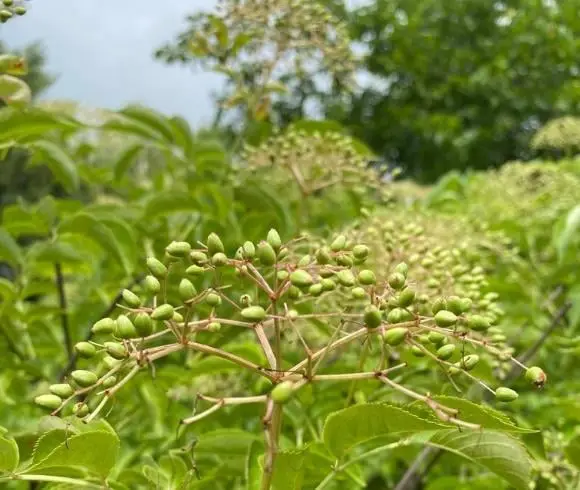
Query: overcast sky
(101, 51)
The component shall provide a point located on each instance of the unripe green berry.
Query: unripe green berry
(357, 293)
(274, 239)
(438, 305)
(305, 261)
(454, 305)
(301, 278)
(19, 10)
(395, 315)
(445, 318)
(186, 290)
(292, 314)
(344, 260)
(403, 269)
(245, 300)
(152, 284)
(254, 313)
(396, 280)
(406, 297)
(283, 253)
(372, 317)
(266, 253)
(84, 378)
(395, 336)
(294, 292)
(446, 351)
(282, 392)
(8, 3)
(5, 15)
(198, 257)
(282, 275)
(345, 278)
(52, 402)
(194, 270)
(214, 244)
(85, 349)
(249, 250)
(315, 290)
(498, 338)
(63, 390)
(360, 252)
(110, 363)
(323, 256)
(536, 375)
(436, 338)
(131, 299)
(178, 249)
(469, 362)
(328, 284)
(338, 244)
(143, 324)
(214, 327)
(177, 317)
(478, 323)
(163, 312)
(417, 351)
(80, 410)
(109, 381)
(156, 268)
(504, 394)
(367, 277)
(116, 350)
(105, 326)
(219, 259)
(125, 328)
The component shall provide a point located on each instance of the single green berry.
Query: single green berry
(109, 381)
(357, 293)
(131, 298)
(315, 290)
(186, 290)
(367, 277)
(80, 410)
(214, 327)
(504, 394)
(292, 314)
(436, 338)
(125, 328)
(406, 297)
(445, 318)
(454, 305)
(156, 268)
(346, 278)
(219, 259)
(8, 3)
(105, 326)
(84, 378)
(372, 317)
(438, 305)
(63, 390)
(282, 275)
(338, 244)
(178, 249)
(326, 272)
(360, 252)
(110, 363)
(301, 278)
(116, 350)
(536, 375)
(194, 270)
(283, 253)
(417, 351)
(282, 392)
(446, 351)
(323, 256)
(254, 313)
(248, 250)
(177, 317)
(274, 239)
(198, 257)
(266, 253)
(395, 336)
(152, 284)
(478, 323)
(5, 15)
(85, 349)
(214, 244)
(305, 261)
(246, 300)
(294, 292)
(498, 338)
(402, 268)
(395, 315)
(396, 280)
(52, 402)
(344, 260)
(143, 324)
(163, 312)
(469, 362)
(328, 284)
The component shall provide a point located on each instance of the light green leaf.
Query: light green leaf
(95, 452)
(182, 134)
(572, 451)
(571, 227)
(253, 471)
(127, 158)
(7, 290)
(9, 455)
(149, 118)
(288, 470)
(347, 428)
(498, 452)
(226, 442)
(9, 249)
(167, 202)
(18, 125)
(61, 165)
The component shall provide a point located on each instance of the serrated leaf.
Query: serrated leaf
(9, 455)
(498, 452)
(572, 451)
(47, 442)
(288, 471)
(9, 250)
(486, 417)
(127, 158)
(95, 452)
(351, 426)
(61, 165)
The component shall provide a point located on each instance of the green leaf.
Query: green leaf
(155, 122)
(347, 428)
(18, 125)
(7, 289)
(288, 471)
(253, 471)
(127, 158)
(572, 451)
(498, 452)
(571, 227)
(182, 134)
(95, 452)
(59, 162)
(213, 365)
(9, 455)
(226, 442)
(9, 249)
(167, 202)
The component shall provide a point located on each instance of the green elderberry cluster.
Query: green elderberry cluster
(10, 8)
(303, 157)
(279, 290)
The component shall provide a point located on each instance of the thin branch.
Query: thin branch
(63, 311)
